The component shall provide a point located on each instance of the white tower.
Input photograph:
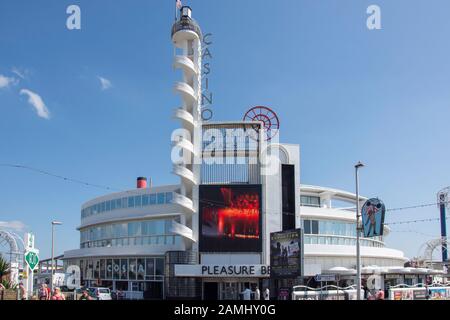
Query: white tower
(186, 152)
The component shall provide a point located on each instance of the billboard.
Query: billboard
(230, 218)
(372, 214)
(285, 254)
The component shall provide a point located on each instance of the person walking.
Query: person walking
(380, 295)
(22, 292)
(57, 294)
(266, 294)
(85, 296)
(257, 293)
(43, 292)
(246, 294)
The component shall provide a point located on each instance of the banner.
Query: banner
(372, 215)
(285, 254)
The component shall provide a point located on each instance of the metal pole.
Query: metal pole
(52, 267)
(358, 248)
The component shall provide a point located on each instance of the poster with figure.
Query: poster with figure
(285, 254)
(372, 215)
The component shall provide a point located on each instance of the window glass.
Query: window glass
(116, 269)
(109, 269)
(153, 198)
(169, 197)
(132, 269)
(145, 199)
(103, 207)
(108, 206)
(315, 227)
(159, 267)
(137, 201)
(159, 226)
(123, 269)
(102, 269)
(119, 203)
(113, 204)
(134, 229)
(130, 202)
(161, 198)
(150, 267)
(307, 226)
(124, 202)
(140, 269)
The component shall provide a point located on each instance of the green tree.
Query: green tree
(4, 267)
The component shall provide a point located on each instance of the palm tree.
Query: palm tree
(4, 267)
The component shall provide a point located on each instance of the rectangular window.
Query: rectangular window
(137, 201)
(116, 269)
(102, 269)
(159, 267)
(315, 227)
(134, 229)
(169, 197)
(109, 269)
(108, 206)
(140, 269)
(307, 226)
(145, 200)
(103, 207)
(130, 202)
(150, 269)
(161, 198)
(153, 198)
(132, 270)
(123, 269)
(124, 202)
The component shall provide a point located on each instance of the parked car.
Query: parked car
(100, 293)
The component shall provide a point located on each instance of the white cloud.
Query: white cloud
(13, 225)
(106, 84)
(20, 73)
(6, 82)
(38, 104)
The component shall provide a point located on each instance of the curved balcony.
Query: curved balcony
(185, 117)
(182, 230)
(183, 62)
(185, 145)
(186, 91)
(183, 201)
(186, 29)
(186, 174)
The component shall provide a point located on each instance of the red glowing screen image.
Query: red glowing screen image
(230, 218)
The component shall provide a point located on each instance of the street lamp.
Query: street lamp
(358, 230)
(54, 223)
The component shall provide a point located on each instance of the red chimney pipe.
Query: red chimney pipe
(141, 183)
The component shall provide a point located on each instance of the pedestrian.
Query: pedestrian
(257, 293)
(246, 294)
(266, 294)
(2, 290)
(43, 293)
(380, 295)
(49, 292)
(22, 292)
(85, 296)
(57, 294)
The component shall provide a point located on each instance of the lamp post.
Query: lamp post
(54, 223)
(358, 230)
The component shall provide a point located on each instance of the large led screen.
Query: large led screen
(230, 218)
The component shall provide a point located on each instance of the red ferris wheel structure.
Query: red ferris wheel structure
(267, 116)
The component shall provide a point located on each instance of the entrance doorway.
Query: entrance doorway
(210, 290)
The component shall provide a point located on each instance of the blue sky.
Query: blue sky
(342, 92)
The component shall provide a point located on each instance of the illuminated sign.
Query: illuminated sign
(230, 218)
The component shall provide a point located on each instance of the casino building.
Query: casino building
(209, 236)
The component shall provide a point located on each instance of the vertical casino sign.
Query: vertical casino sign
(207, 95)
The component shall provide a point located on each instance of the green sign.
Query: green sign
(31, 259)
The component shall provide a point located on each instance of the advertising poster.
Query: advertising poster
(372, 215)
(438, 293)
(230, 218)
(285, 254)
